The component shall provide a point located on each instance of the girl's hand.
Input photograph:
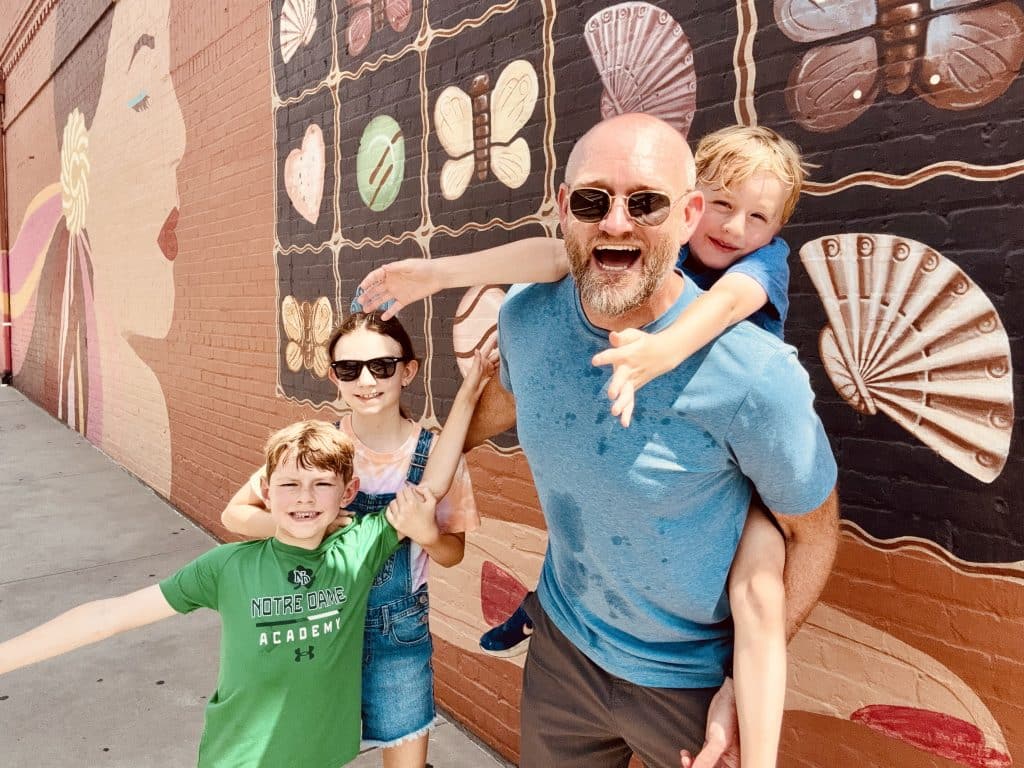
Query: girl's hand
(412, 515)
(637, 358)
(402, 282)
(481, 370)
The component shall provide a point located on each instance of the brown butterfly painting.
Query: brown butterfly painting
(955, 54)
(369, 16)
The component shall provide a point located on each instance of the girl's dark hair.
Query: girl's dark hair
(372, 321)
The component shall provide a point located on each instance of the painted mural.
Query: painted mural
(79, 256)
(425, 129)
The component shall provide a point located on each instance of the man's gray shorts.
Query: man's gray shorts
(573, 714)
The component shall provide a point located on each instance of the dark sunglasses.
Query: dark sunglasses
(380, 368)
(647, 207)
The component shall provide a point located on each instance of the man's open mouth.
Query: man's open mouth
(616, 258)
(304, 515)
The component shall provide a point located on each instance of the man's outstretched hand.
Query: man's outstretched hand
(722, 738)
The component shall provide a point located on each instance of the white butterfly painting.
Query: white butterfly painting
(478, 129)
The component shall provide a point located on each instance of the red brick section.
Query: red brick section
(223, 341)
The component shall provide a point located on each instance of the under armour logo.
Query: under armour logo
(300, 577)
(299, 653)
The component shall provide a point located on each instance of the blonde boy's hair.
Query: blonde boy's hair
(317, 445)
(732, 155)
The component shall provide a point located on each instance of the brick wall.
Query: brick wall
(913, 656)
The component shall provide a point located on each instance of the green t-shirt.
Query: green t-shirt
(288, 691)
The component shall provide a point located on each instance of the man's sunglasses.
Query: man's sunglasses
(380, 368)
(646, 207)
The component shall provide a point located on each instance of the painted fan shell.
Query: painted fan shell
(645, 62)
(298, 23)
(914, 337)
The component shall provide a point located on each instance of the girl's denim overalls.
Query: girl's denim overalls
(398, 679)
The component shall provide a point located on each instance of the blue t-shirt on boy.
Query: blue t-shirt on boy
(768, 265)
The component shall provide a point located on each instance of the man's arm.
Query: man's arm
(84, 624)
(495, 413)
(811, 543)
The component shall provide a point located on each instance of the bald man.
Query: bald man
(632, 636)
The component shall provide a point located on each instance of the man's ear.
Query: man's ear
(563, 205)
(692, 211)
(265, 492)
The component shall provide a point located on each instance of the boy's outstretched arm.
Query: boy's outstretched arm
(83, 625)
(639, 357)
(531, 260)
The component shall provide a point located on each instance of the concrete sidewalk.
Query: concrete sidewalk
(74, 527)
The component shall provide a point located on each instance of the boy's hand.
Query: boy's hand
(402, 282)
(412, 515)
(637, 358)
(721, 739)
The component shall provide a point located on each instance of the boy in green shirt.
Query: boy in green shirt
(292, 607)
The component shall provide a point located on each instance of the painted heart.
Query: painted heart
(304, 174)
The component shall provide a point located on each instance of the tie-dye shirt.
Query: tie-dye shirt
(385, 472)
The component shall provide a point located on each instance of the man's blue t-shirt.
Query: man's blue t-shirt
(643, 522)
(768, 265)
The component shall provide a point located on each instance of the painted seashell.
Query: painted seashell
(645, 62)
(476, 322)
(380, 162)
(304, 171)
(298, 23)
(912, 336)
(807, 21)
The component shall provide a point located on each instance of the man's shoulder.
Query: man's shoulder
(534, 303)
(754, 356)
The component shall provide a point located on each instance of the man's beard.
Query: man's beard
(615, 293)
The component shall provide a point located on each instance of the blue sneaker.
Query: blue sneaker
(511, 638)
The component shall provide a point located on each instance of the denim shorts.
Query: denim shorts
(398, 677)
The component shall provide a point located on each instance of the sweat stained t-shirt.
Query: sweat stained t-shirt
(288, 690)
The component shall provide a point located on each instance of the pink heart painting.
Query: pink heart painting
(304, 174)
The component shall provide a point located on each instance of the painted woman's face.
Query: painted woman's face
(136, 141)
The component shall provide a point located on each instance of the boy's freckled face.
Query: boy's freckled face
(738, 221)
(304, 502)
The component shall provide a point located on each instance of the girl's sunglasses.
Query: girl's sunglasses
(647, 207)
(380, 368)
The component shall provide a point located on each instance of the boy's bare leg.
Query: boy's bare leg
(757, 597)
(409, 754)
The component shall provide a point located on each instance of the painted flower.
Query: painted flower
(74, 172)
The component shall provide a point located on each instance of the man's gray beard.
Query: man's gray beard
(605, 296)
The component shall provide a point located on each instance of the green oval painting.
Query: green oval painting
(380, 164)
